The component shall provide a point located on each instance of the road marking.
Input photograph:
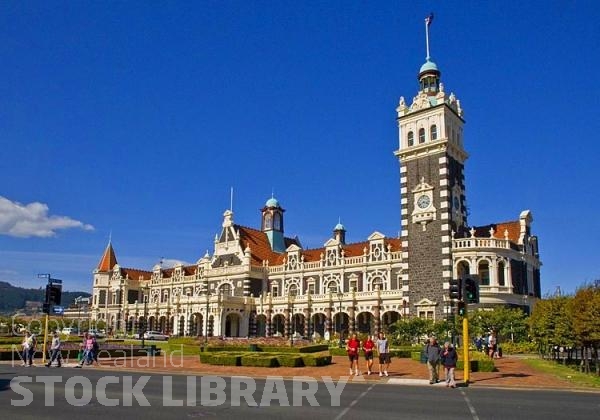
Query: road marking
(353, 403)
(471, 408)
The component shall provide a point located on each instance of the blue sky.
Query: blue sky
(135, 119)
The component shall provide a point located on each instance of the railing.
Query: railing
(480, 243)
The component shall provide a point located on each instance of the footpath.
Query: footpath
(511, 372)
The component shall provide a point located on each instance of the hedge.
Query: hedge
(225, 359)
(259, 360)
(290, 360)
(316, 360)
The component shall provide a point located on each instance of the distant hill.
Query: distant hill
(14, 298)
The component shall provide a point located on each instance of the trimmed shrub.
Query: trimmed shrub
(274, 349)
(315, 348)
(336, 351)
(259, 361)
(226, 359)
(478, 365)
(402, 353)
(316, 360)
(416, 356)
(290, 360)
(206, 357)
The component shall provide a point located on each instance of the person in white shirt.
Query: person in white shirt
(55, 350)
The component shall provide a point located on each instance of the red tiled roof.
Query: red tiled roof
(513, 228)
(136, 274)
(108, 260)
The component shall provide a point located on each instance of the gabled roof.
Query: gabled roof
(108, 260)
(260, 247)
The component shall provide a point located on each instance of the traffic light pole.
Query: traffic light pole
(467, 364)
(45, 341)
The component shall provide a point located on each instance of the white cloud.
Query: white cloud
(169, 263)
(32, 219)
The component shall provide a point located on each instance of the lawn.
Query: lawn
(566, 373)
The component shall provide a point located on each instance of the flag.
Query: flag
(429, 19)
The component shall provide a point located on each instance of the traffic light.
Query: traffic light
(53, 294)
(455, 289)
(462, 308)
(471, 290)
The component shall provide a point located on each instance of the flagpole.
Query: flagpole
(427, 21)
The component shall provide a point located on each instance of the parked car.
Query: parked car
(96, 333)
(155, 335)
(69, 331)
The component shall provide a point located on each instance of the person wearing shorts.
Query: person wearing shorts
(368, 346)
(352, 348)
(383, 349)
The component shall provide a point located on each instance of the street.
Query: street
(164, 397)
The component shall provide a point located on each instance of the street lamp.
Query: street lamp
(291, 299)
(340, 296)
(145, 319)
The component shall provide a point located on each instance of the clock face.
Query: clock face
(423, 201)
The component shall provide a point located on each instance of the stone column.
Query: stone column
(307, 323)
(351, 320)
(286, 323)
(268, 331)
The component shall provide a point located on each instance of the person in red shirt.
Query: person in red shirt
(352, 348)
(368, 349)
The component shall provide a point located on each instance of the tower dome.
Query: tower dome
(428, 66)
(272, 202)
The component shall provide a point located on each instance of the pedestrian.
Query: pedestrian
(88, 350)
(492, 342)
(55, 348)
(28, 345)
(432, 352)
(368, 349)
(449, 358)
(352, 348)
(383, 349)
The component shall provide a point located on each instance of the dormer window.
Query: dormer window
(421, 135)
(411, 138)
(433, 132)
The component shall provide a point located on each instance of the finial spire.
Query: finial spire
(428, 21)
(231, 200)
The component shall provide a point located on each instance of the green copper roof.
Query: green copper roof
(428, 66)
(272, 202)
(339, 226)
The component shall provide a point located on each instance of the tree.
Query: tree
(551, 322)
(509, 323)
(585, 310)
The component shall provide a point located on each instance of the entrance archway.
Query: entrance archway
(365, 323)
(341, 322)
(388, 318)
(318, 325)
(232, 325)
(297, 327)
(261, 325)
(278, 325)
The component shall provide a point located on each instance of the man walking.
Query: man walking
(432, 352)
(383, 349)
(55, 350)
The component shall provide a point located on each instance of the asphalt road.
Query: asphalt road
(39, 392)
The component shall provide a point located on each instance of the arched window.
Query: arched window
(501, 278)
(268, 221)
(421, 135)
(433, 132)
(484, 273)
(411, 138)
(277, 221)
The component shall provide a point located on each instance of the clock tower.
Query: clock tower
(432, 189)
